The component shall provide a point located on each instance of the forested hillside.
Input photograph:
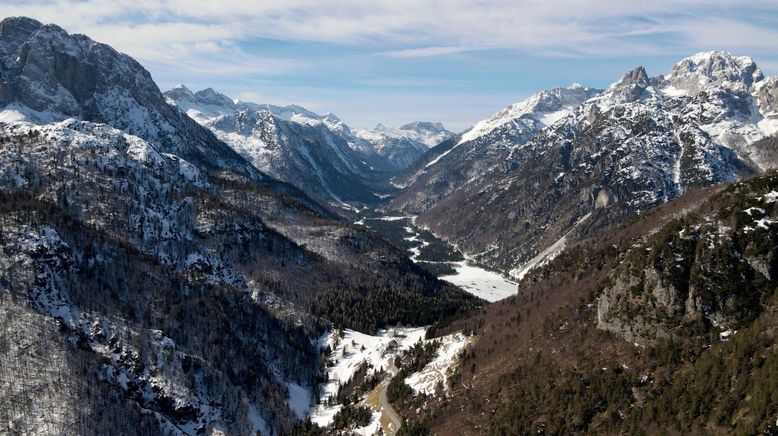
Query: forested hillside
(665, 324)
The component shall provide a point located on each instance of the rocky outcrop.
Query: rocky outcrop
(698, 271)
(714, 68)
(629, 88)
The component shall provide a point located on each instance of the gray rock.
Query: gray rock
(63, 76)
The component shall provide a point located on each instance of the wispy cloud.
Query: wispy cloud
(424, 52)
(413, 28)
(224, 42)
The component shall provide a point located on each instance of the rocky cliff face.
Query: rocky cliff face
(50, 75)
(714, 268)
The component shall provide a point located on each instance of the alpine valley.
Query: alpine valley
(586, 260)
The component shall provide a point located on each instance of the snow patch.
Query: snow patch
(551, 118)
(765, 223)
(438, 371)
(482, 283)
(547, 255)
(299, 400)
(372, 428)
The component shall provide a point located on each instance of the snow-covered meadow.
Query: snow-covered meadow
(349, 349)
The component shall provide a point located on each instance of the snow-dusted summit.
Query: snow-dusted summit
(288, 142)
(706, 70)
(400, 146)
(539, 110)
(319, 154)
(468, 157)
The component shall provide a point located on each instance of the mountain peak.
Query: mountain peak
(55, 76)
(714, 68)
(428, 126)
(538, 110)
(634, 77)
(629, 87)
(210, 96)
(26, 23)
(180, 93)
(329, 116)
(14, 31)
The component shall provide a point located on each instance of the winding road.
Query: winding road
(388, 410)
(390, 420)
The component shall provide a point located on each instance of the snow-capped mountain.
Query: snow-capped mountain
(467, 157)
(538, 111)
(711, 69)
(643, 141)
(402, 146)
(427, 132)
(289, 143)
(319, 154)
(48, 75)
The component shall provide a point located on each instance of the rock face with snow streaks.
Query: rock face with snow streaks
(318, 154)
(50, 75)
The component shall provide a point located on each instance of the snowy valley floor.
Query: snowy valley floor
(427, 249)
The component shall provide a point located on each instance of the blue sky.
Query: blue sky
(396, 61)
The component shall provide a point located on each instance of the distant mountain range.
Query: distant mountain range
(317, 153)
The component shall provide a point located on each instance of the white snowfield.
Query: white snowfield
(437, 372)
(299, 400)
(432, 135)
(348, 354)
(482, 283)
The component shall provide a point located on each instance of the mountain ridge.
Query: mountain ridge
(631, 147)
